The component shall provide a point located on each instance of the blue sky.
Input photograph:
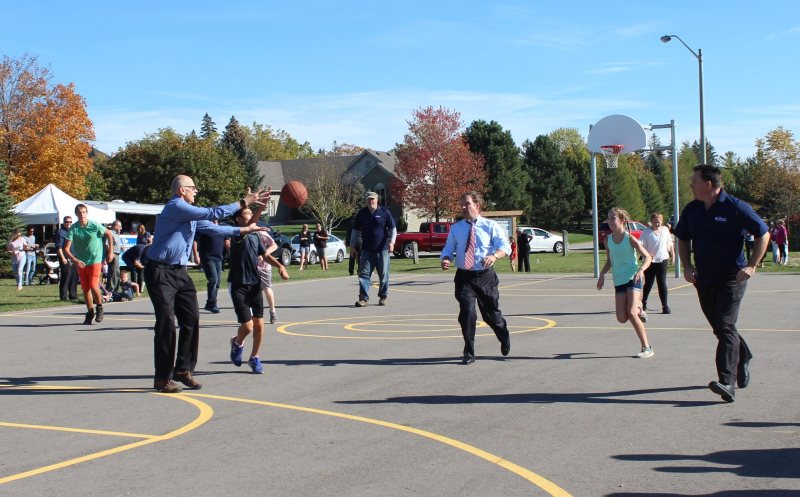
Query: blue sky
(355, 71)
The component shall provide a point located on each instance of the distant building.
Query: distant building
(373, 169)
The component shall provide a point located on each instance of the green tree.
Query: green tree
(208, 130)
(271, 145)
(626, 186)
(687, 159)
(651, 195)
(8, 219)
(555, 194)
(234, 139)
(711, 153)
(144, 169)
(508, 187)
(578, 160)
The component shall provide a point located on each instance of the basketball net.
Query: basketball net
(611, 155)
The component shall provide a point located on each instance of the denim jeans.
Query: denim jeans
(213, 272)
(30, 269)
(370, 260)
(18, 268)
(720, 304)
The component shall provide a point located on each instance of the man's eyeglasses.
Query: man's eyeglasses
(67, 222)
(190, 186)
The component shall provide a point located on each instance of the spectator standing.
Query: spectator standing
(657, 240)
(512, 259)
(169, 286)
(84, 247)
(30, 257)
(352, 261)
(211, 249)
(477, 243)
(304, 240)
(321, 243)
(134, 259)
(377, 229)
(523, 251)
(113, 261)
(67, 273)
(711, 227)
(16, 247)
(143, 237)
(782, 241)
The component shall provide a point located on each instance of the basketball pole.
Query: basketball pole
(595, 220)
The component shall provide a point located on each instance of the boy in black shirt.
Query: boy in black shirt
(246, 294)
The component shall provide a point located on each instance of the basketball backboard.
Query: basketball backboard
(617, 129)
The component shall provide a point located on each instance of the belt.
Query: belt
(164, 265)
(477, 273)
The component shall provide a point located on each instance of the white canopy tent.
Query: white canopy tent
(50, 205)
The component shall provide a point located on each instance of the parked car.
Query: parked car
(284, 251)
(335, 251)
(431, 237)
(634, 227)
(543, 240)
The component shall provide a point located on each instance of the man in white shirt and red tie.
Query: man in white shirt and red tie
(477, 244)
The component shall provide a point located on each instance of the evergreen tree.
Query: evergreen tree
(626, 187)
(555, 194)
(711, 154)
(651, 195)
(208, 130)
(687, 159)
(8, 219)
(252, 176)
(234, 139)
(503, 163)
(578, 159)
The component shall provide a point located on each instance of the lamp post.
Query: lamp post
(699, 56)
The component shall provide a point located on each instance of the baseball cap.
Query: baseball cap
(372, 195)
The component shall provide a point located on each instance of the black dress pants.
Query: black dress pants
(524, 259)
(480, 286)
(173, 295)
(720, 303)
(67, 281)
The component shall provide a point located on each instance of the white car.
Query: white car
(543, 240)
(335, 251)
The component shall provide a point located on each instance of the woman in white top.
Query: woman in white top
(658, 243)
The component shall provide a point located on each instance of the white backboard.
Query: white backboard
(617, 129)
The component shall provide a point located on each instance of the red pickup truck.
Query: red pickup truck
(430, 238)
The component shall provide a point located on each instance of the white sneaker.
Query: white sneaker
(642, 315)
(646, 352)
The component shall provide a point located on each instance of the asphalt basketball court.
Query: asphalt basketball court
(374, 401)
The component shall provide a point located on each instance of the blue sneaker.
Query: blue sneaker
(255, 365)
(236, 352)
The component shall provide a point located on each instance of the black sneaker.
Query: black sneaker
(666, 310)
(89, 317)
(98, 316)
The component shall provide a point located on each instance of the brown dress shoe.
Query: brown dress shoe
(187, 379)
(166, 386)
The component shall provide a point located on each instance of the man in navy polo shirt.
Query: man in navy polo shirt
(378, 231)
(713, 226)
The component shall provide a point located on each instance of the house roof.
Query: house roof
(278, 173)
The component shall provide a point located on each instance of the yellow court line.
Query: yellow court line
(284, 329)
(536, 282)
(76, 430)
(206, 412)
(541, 482)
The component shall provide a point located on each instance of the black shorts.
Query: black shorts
(247, 301)
(320, 252)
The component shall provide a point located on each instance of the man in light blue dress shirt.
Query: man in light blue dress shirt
(475, 278)
(171, 290)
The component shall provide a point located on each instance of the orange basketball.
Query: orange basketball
(294, 194)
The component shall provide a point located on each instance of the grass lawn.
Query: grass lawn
(41, 296)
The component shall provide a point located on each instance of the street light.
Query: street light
(699, 56)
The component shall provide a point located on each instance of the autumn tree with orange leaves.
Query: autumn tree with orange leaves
(44, 130)
(435, 166)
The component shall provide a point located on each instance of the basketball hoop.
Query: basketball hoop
(611, 155)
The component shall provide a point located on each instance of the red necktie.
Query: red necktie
(469, 254)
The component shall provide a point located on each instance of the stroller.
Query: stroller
(50, 257)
